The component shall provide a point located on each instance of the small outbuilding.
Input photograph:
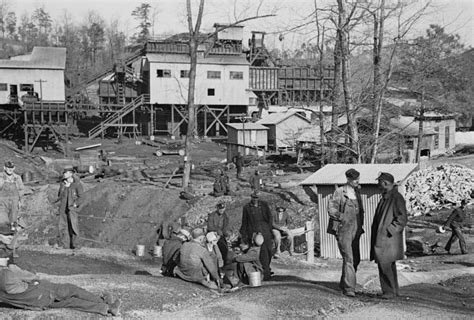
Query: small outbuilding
(325, 181)
(247, 138)
(284, 128)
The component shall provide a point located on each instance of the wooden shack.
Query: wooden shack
(247, 138)
(284, 128)
(325, 181)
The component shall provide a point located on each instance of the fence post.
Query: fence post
(310, 241)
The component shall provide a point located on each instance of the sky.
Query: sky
(456, 15)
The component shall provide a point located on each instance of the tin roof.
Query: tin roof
(40, 58)
(407, 126)
(184, 58)
(276, 118)
(248, 126)
(332, 174)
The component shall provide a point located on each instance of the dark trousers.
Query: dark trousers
(222, 244)
(456, 234)
(71, 296)
(388, 278)
(350, 252)
(239, 171)
(266, 256)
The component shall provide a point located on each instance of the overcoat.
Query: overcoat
(387, 228)
(70, 202)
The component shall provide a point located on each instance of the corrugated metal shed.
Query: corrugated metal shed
(332, 174)
(40, 58)
(324, 182)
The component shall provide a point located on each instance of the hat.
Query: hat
(280, 208)
(6, 230)
(386, 176)
(211, 236)
(175, 228)
(9, 164)
(68, 168)
(196, 233)
(221, 205)
(254, 194)
(185, 233)
(352, 174)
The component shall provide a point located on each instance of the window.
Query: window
(184, 74)
(3, 87)
(211, 92)
(213, 74)
(436, 138)
(163, 73)
(26, 87)
(236, 75)
(446, 137)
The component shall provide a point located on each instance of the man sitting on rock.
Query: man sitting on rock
(280, 229)
(23, 289)
(196, 263)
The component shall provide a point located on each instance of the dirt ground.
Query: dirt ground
(129, 206)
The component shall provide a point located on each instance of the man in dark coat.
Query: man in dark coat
(455, 222)
(218, 222)
(387, 246)
(238, 160)
(25, 290)
(70, 198)
(257, 217)
(256, 181)
(171, 249)
(345, 207)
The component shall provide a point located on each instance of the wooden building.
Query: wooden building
(247, 138)
(324, 182)
(41, 72)
(284, 128)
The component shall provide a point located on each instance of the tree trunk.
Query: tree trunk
(343, 35)
(420, 124)
(378, 87)
(336, 100)
(193, 46)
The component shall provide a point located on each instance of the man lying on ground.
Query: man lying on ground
(23, 289)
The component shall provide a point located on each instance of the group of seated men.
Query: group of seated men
(206, 259)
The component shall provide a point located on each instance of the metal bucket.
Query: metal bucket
(158, 251)
(140, 252)
(255, 279)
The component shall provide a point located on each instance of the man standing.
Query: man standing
(11, 193)
(70, 197)
(218, 222)
(25, 290)
(257, 217)
(281, 220)
(256, 181)
(345, 208)
(196, 263)
(238, 160)
(455, 222)
(387, 234)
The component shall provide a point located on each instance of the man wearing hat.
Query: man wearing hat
(218, 222)
(257, 218)
(70, 198)
(347, 216)
(455, 222)
(11, 192)
(25, 290)
(196, 263)
(387, 234)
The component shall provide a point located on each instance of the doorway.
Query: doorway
(14, 94)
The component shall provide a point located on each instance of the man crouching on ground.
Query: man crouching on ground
(196, 263)
(23, 289)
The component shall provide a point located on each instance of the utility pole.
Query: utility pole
(243, 118)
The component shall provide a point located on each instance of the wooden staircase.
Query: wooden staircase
(115, 120)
